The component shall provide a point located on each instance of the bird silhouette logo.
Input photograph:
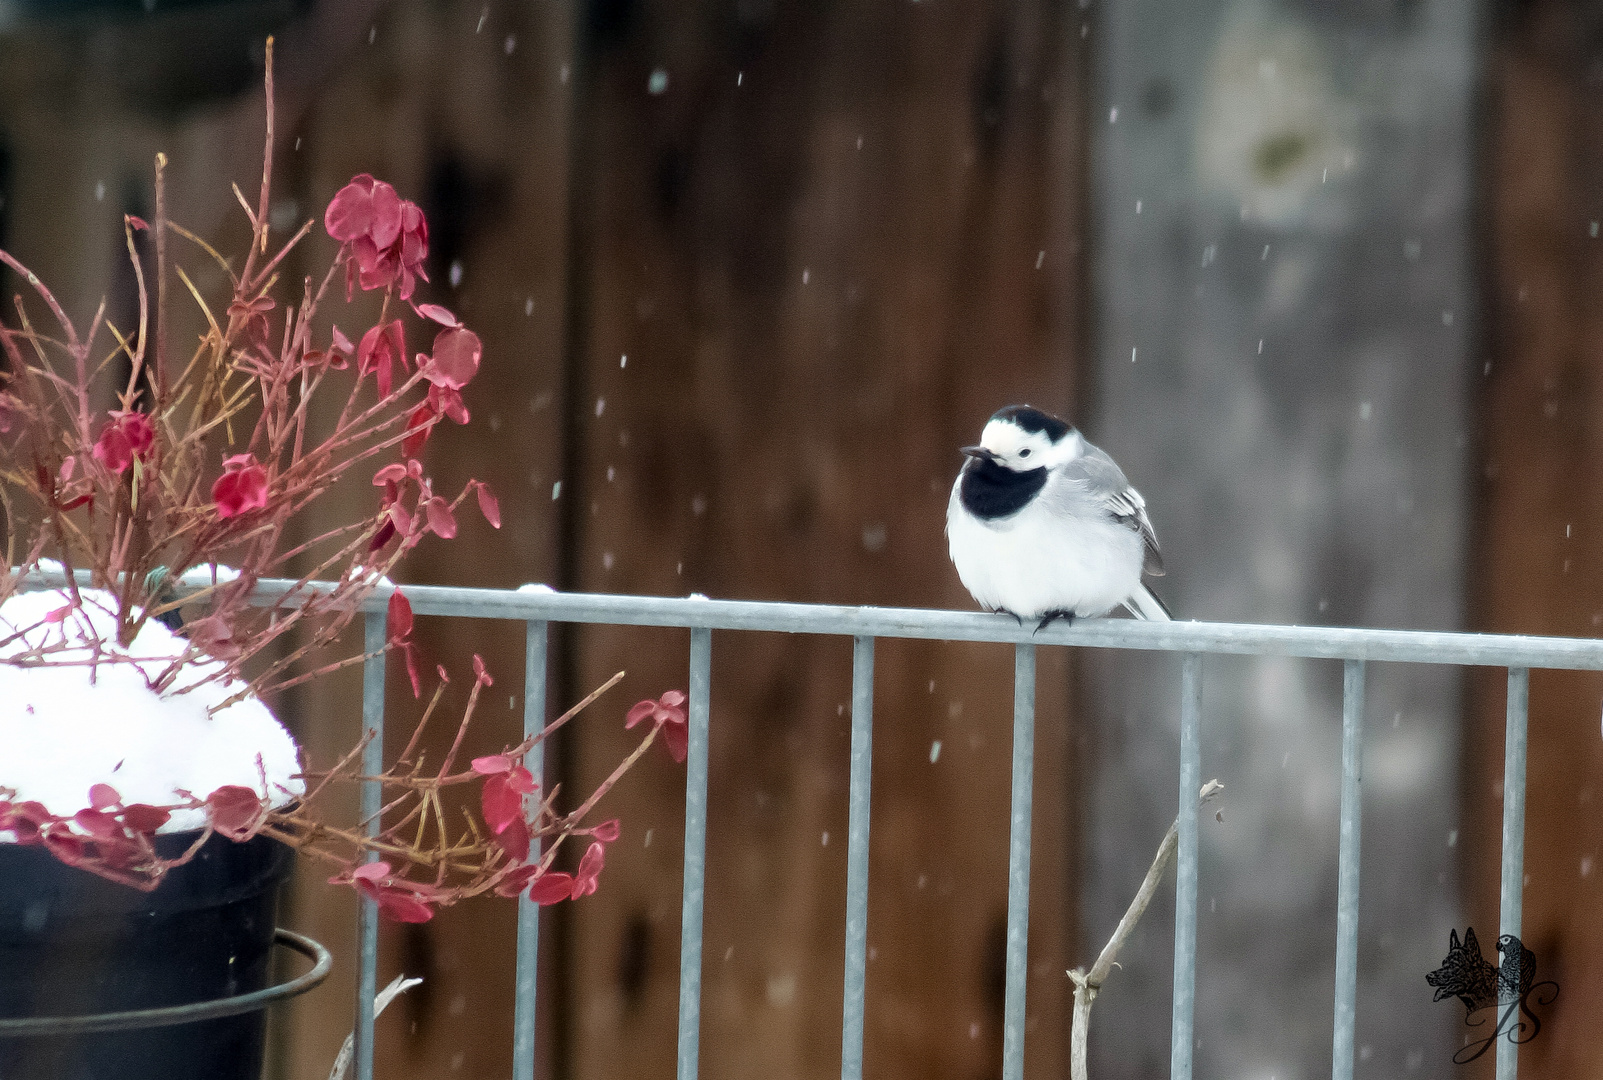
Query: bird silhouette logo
(1474, 980)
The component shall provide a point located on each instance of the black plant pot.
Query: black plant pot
(73, 944)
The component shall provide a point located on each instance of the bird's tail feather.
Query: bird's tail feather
(1144, 604)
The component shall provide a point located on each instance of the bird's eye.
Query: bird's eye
(1025, 452)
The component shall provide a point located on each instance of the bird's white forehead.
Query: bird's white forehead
(1006, 437)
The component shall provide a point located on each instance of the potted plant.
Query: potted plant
(150, 802)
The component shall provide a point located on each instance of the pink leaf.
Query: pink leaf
(385, 534)
(143, 818)
(521, 780)
(26, 821)
(399, 617)
(373, 871)
(456, 358)
(488, 505)
(389, 474)
(668, 715)
(70, 849)
(516, 881)
(551, 888)
(439, 314)
(414, 238)
(377, 268)
(137, 222)
(59, 614)
(382, 347)
(213, 635)
(500, 803)
(441, 521)
(403, 907)
(514, 839)
(607, 831)
(494, 763)
(386, 215)
(103, 796)
(418, 425)
(126, 436)
(677, 739)
(586, 880)
(96, 823)
(350, 212)
(481, 673)
(235, 811)
(444, 401)
(243, 487)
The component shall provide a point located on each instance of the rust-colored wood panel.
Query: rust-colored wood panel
(464, 109)
(830, 240)
(1540, 559)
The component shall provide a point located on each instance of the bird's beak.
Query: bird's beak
(979, 452)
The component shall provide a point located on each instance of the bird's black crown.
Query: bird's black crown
(1031, 419)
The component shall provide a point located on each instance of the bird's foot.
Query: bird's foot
(1049, 617)
(1014, 615)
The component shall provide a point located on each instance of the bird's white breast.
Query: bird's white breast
(1040, 560)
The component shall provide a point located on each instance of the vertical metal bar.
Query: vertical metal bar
(1352, 774)
(1018, 862)
(851, 1052)
(1513, 886)
(528, 969)
(375, 635)
(695, 853)
(1185, 878)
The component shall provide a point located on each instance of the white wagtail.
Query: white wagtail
(1043, 525)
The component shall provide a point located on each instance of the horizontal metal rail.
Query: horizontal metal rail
(1249, 639)
(1245, 639)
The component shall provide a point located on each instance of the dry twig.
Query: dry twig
(1086, 985)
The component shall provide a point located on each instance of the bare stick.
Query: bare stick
(1086, 986)
(398, 986)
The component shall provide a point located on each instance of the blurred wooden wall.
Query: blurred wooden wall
(830, 239)
(1539, 566)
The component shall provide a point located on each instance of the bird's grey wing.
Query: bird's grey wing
(1103, 480)
(1129, 509)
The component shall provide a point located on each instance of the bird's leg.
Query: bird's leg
(1047, 619)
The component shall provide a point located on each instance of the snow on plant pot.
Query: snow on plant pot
(129, 750)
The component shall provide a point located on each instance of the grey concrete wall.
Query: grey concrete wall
(1284, 301)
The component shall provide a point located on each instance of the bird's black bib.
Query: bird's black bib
(990, 491)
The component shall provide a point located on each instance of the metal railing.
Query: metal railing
(864, 624)
(1354, 647)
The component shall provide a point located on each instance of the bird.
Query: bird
(1517, 973)
(1043, 525)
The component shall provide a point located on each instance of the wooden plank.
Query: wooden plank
(819, 245)
(1538, 562)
